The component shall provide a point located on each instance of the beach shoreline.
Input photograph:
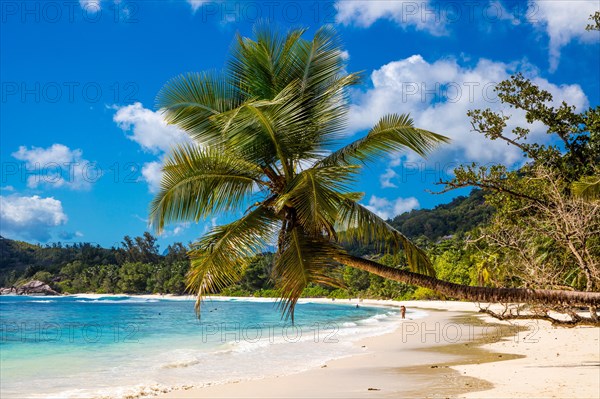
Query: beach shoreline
(443, 349)
(424, 358)
(489, 358)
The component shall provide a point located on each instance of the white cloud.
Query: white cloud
(30, 217)
(421, 15)
(57, 166)
(175, 231)
(152, 174)
(387, 209)
(386, 178)
(141, 219)
(148, 128)
(7, 188)
(153, 134)
(563, 21)
(196, 4)
(438, 95)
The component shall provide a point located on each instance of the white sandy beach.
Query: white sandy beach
(443, 356)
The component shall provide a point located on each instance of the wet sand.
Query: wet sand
(422, 358)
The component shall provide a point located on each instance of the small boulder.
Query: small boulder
(8, 291)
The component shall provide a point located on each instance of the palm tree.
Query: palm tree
(266, 135)
(587, 188)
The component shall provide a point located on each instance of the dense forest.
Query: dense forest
(459, 216)
(138, 265)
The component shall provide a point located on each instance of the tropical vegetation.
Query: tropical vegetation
(266, 145)
(268, 149)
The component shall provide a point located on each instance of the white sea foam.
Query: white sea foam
(114, 300)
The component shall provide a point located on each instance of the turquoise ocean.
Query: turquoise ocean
(116, 346)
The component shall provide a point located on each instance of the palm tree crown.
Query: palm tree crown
(266, 144)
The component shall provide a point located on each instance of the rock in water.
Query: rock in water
(34, 287)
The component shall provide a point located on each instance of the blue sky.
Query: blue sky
(81, 140)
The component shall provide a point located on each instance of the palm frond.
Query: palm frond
(262, 67)
(301, 260)
(324, 82)
(252, 128)
(316, 194)
(392, 133)
(188, 101)
(359, 223)
(219, 258)
(587, 188)
(270, 132)
(320, 60)
(198, 182)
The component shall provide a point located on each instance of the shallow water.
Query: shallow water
(81, 346)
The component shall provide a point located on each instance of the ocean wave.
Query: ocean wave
(180, 364)
(374, 319)
(245, 346)
(132, 392)
(244, 299)
(112, 300)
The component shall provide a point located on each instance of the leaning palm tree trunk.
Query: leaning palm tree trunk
(267, 138)
(477, 294)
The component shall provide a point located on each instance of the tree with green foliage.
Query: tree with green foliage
(266, 134)
(544, 235)
(139, 249)
(258, 273)
(133, 277)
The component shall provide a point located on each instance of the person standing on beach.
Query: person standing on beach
(403, 311)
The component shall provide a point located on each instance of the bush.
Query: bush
(267, 293)
(422, 294)
(45, 277)
(64, 287)
(339, 294)
(315, 291)
(234, 290)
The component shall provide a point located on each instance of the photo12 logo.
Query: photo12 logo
(88, 333)
(254, 332)
(69, 92)
(452, 333)
(69, 174)
(82, 11)
(293, 12)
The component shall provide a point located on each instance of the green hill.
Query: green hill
(460, 215)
